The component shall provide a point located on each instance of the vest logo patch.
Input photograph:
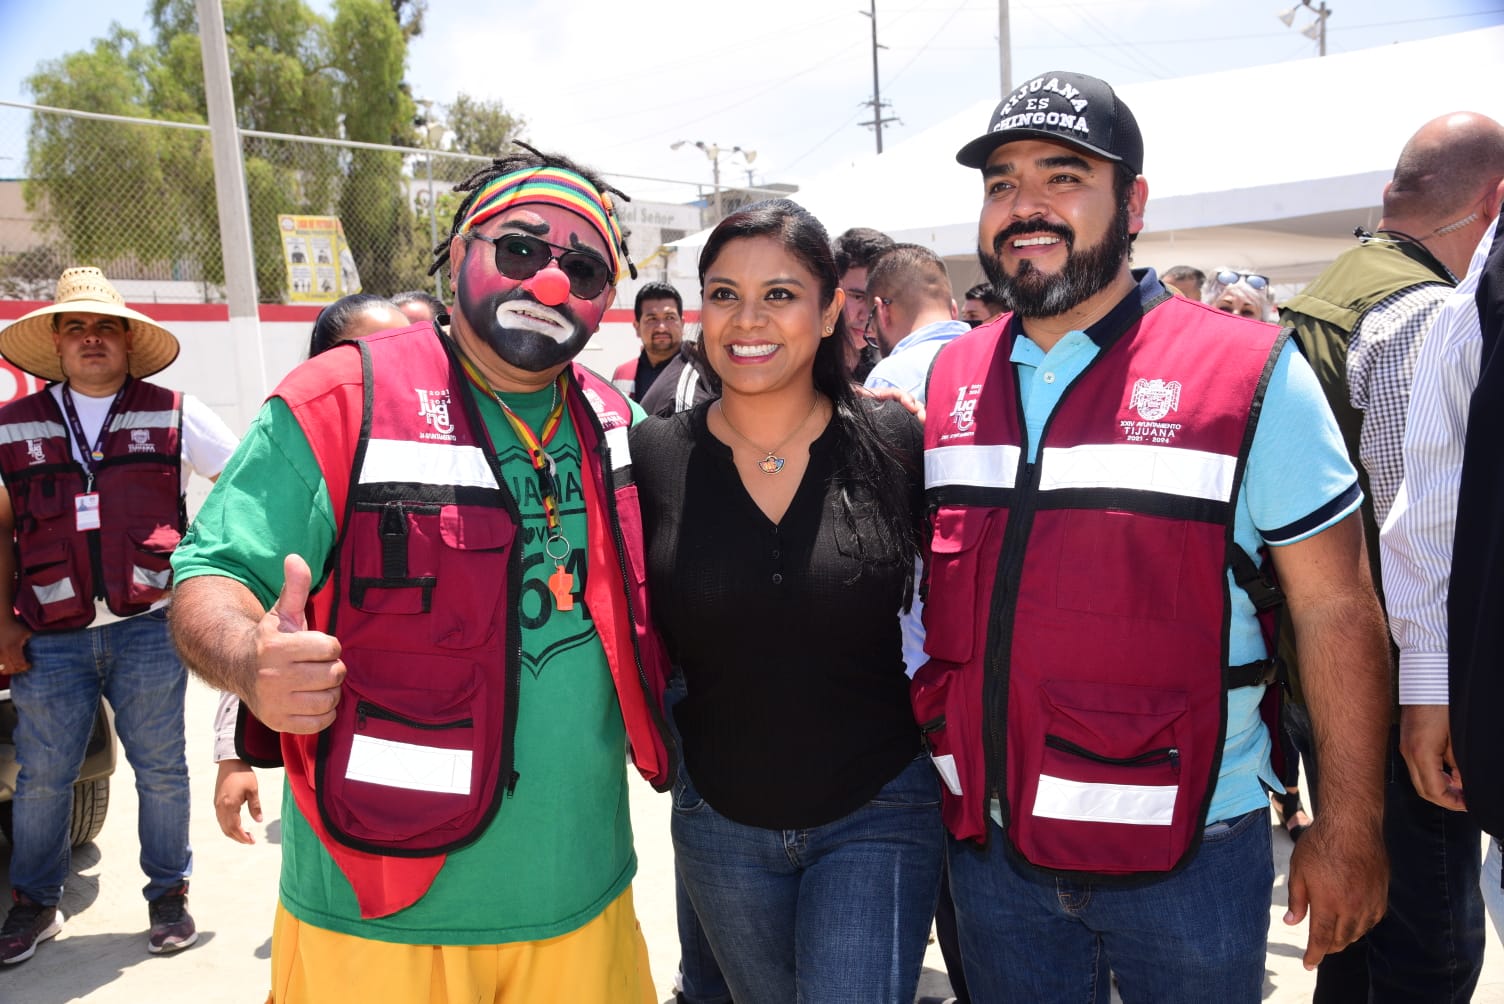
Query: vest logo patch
(1154, 399)
(433, 408)
(35, 452)
(610, 417)
(140, 441)
(964, 414)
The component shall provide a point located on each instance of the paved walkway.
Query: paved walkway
(101, 956)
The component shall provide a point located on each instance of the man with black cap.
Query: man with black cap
(1096, 461)
(95, 465)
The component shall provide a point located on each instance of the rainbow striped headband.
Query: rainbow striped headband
(555, 186)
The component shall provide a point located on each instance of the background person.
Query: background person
(1363, 322)
(786, 510)
(855, 250)
(982, 304)
(659, 314)
(912, 314)
(420, 307)
(1185, 281)
(95, 467)
(1246, 294)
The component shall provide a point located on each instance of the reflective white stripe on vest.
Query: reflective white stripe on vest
(945, 766)
(616, 442)
(982, 466)
(150, 579)
(144, 420)
(1141, 467)
(403, 765)
(19, 431)
(1089, 802)
(58, 591)
(396, 460)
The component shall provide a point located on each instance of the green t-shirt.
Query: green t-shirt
(560, 847)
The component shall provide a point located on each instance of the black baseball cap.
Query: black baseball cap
(1069, 108)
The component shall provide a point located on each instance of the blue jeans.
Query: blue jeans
(1198, 935)
(131, 664)
(834, 913)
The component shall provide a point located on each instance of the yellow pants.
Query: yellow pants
(604, 962)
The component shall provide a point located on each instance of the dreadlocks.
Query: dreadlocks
(519, 161)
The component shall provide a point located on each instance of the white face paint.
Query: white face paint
(529, 315)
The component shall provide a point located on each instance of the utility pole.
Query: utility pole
(234, 213)
(878, 120)
(1004, 47)
(1316, 30)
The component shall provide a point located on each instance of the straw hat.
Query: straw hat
(28, 342)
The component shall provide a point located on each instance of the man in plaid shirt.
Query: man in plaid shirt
(1362, 322)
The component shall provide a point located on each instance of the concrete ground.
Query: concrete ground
(101, 955)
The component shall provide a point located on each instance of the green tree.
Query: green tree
(144, 198)
(481, 127)
(375, 205)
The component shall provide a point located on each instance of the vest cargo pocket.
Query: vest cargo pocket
(956, 566)
(949, 726)
(1100, 781)
(150, 558)
(50, 585)
(402, 572)
(409, 761)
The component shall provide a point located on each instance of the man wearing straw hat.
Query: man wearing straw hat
(94, 467)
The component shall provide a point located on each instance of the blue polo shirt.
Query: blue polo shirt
(907, 367)
(1298, 482)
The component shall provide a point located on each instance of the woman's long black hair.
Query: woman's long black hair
(870, 474)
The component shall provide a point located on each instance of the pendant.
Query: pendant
(770, 464)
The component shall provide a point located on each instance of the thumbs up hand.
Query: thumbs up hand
(298, 671)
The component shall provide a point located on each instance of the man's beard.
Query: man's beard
(521, 347)
(1033, 293)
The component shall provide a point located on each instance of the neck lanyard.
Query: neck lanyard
(92, 456)
(561, 582)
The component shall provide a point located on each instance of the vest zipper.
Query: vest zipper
(1149, 758)
(365, 709)
(926, 729)
(1000, 624)
(512, 670)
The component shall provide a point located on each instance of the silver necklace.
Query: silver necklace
(771, 463)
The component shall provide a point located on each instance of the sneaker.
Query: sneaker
(171, 925)
(27, 924)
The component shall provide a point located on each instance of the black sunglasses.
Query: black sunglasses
(1229, 278)
(522, 256)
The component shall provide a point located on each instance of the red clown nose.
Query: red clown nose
(550, 286)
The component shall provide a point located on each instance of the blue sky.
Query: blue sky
(786, 78)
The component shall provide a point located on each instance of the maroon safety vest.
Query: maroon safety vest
(61, 569)
(1078, 607)
(426, 573)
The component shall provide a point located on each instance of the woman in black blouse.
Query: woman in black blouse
(782, 530)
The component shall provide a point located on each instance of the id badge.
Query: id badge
(86, 511)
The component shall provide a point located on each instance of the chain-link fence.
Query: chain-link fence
(137, 198)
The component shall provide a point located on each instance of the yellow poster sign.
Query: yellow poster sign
(320, 267)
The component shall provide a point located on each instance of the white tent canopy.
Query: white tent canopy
(1284, 201)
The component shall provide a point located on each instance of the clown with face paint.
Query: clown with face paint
(452, 686)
